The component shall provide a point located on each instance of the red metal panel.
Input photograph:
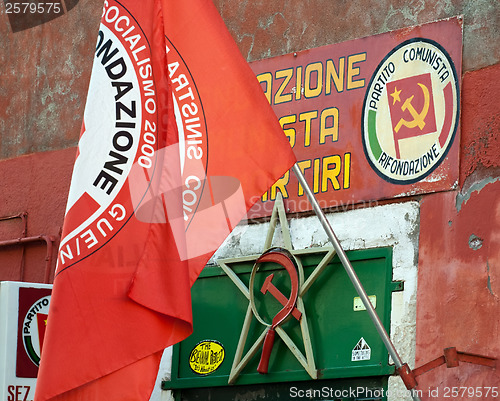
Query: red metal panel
(336, 102)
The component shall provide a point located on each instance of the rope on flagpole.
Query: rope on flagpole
(403, 370)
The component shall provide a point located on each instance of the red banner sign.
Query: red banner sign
(369, 119)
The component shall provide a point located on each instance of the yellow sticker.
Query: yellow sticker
(206, 357)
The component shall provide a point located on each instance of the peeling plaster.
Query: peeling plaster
(475, 242)
(464, 196)
(488, 284)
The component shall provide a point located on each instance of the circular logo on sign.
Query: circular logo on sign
(118, 137)
(125, 162)
(410, 111)
(206, 357)
(33, 330)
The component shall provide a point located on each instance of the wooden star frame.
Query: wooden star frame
(307, 361)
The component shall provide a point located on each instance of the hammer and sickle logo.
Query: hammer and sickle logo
(284, 258)
(418, 118)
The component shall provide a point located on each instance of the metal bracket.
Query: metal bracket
(451, 358)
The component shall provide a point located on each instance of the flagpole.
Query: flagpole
(402, 369)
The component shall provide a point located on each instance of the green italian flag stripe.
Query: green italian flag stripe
(31, 352)
(372, 134)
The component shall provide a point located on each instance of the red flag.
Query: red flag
(411, 106)
(176, 148)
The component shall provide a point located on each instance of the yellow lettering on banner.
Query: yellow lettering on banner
(316, 176)
(317, 70)
(267, 78)
(353, 71)
(289, 132)
(287, 75)
(347, 171)
(331, 174)
(325, 173)
(332, 168)
(336, 75)
(281, 185)
(303, 165)
(313, 78)
(298, 86)
(329, 125)
(308, 117)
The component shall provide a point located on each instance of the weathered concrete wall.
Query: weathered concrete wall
(459, 286)
(271, 28)
(44, 76)
(480, 142)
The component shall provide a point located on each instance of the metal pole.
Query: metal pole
(352, 274)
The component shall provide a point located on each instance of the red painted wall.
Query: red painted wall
(458, 299)
(37, 185)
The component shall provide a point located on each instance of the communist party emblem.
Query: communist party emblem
(411, 107)
(410, 111)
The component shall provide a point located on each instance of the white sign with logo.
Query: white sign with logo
(362, 351)
(23, 315)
